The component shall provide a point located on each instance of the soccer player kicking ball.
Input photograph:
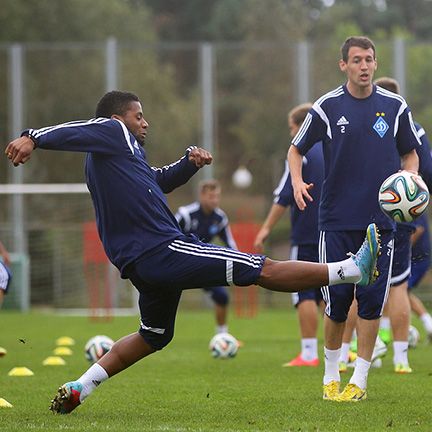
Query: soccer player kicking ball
(143, 239)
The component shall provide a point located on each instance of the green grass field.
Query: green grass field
(183, 389)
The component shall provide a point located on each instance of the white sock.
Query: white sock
(309, 350)
(344, 352)
(221, 329)
(426, 319)
(94, 376)
(385, 323)
(344, 271)
(331, 365)
(400, 352)
(361, 372)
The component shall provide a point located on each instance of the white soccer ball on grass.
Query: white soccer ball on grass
(413, 336)
(97, 347)
(223, 346)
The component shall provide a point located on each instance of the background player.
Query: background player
(5, 278)
(5, 273)
(398, 304)
(304, 237)
(369, 132)
(420, 263)
(205, 219)
(142, 238)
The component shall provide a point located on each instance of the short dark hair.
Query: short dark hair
(299, 113)
(356, 41)
(389, 84)
(115, 102)
(209, 185)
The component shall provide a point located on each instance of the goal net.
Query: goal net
(67, 267)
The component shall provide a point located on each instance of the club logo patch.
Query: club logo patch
(381, 127)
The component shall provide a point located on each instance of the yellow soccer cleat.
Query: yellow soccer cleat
(331, 390)
(352, 393)
(402, 369)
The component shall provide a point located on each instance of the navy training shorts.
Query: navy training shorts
(183, 264)
(334, 246)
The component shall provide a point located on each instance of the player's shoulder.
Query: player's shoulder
(330, 96)
(220, 212)
(389, 96)
(189, 208)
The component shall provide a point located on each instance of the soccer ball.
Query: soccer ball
(97, 347)
(223, 346)
(413, 336)
(403, 196)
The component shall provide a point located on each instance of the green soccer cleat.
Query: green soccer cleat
(385, 335)
(331, 390)
(402, 369)
(353, 345)
(352, 393)
(366, 257)
(67, 398)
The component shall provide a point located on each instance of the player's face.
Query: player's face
(210, 199)
(359, 68)
(135, 122)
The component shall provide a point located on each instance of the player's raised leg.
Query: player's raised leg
(292, 276)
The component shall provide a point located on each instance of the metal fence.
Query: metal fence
(231, 98)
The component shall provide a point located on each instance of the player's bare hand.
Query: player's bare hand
(262, 235)
(301, 194)
(200, 157)
(19, 150)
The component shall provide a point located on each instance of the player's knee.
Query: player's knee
(220, 296)
(267, 272)
(155, 340)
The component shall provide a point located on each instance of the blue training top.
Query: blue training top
(132, 214)
(193, 220)
(304, 224)
(363, 141)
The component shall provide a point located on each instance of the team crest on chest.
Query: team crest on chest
(381, 126)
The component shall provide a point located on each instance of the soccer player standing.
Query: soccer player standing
(142, 238)
(5, 273)
(206, 220)
(369, 132)
(304, 237)
(398, 300)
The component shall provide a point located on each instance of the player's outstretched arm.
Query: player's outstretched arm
(19, 150)
(275, 213)
(178, 173)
